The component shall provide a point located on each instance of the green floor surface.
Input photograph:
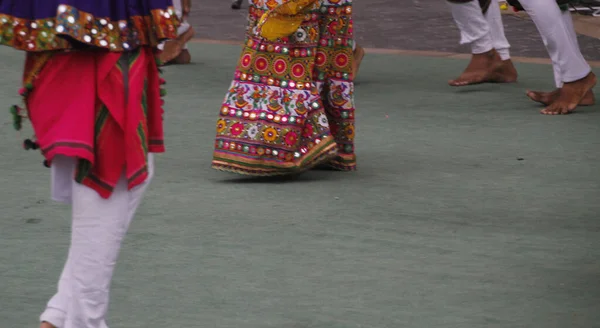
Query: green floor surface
(469, 209)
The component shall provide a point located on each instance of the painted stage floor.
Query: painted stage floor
(469, 209)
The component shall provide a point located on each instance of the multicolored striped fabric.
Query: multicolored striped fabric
(109, 117)
(114, 25)
(291, 103)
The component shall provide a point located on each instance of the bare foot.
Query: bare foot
(486, 68)
(359, 54)
(173, 48)
(184, 58)
(46, 325)
(547, 98)
(570, 96)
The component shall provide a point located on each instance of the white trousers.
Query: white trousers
(98, 228)
(558, 33)
(185, 25)
(483, 32)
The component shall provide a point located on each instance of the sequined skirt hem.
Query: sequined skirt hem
(246, 167)
(73, 29)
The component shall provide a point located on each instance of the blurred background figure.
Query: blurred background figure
(175, 51)
(236, 4)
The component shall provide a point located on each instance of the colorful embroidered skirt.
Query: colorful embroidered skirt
(63, 24)
(291, 103)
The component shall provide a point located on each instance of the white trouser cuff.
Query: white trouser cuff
(54, 317)
(496, 27)
(504, 53)
(576, 76)
(473, 26)
(482, 45)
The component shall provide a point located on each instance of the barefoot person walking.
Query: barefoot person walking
(573, 76)
(480, 25)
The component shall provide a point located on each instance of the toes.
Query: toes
(456, 83)
(548, 111)
(462, 83)
(557, 110)
(532, 95)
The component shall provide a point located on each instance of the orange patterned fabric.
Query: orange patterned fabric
(71, 24)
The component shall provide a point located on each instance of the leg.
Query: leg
(175, 51)
(62, 171)
(493, 17)
(98, 228)
(186, 33)
(486, 64)
(359, 54)
(547, 98)
(561, 43)
(507, 72)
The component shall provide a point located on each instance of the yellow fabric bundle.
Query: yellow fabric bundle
(284, 20)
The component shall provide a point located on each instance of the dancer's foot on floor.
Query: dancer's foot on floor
(547, 98)
(570, 96)
(173, 48)
(486, 68)
(184, 58)
(46, 325)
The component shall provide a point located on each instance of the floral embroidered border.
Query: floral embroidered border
(51, 33)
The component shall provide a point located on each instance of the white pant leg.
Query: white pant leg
(499, 41)
(184, 27)
(61, 178)
(98, 228)
(555, 68)
(178, 7)
(62, 174)
(473, 26)
(558, 33)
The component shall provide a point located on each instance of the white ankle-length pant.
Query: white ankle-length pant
(483, 32)
(98, 228)
(558, 33)
(184, 24)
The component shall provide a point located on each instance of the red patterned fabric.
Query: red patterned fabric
(77, 106)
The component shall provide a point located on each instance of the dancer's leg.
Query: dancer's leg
(556, 28)
(496, 30)
(486, 65)
(98, 228)
(176, 51)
